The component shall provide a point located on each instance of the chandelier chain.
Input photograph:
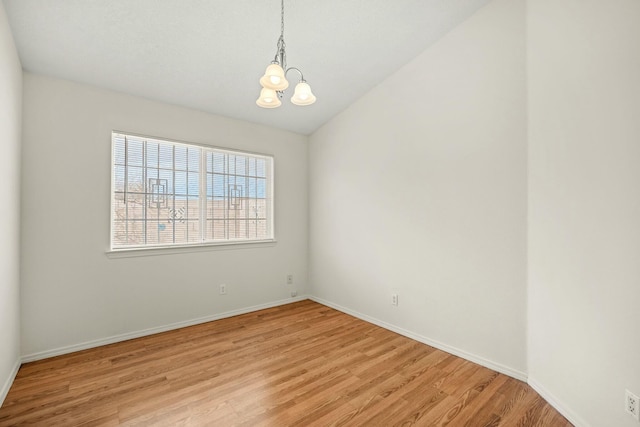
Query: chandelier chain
(281, 53)
(282, 18)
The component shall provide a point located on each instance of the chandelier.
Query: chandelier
(274, 81)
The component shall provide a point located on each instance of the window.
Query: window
(166, 193)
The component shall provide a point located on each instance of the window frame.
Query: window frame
(203, 244)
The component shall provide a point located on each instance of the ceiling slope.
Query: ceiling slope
(209, 54)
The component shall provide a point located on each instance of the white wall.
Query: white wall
(72, 292)
(419, 188)
(584, 205)
(10, 130)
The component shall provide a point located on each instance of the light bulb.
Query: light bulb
(274, 78)
(268, 99)
(303, 95)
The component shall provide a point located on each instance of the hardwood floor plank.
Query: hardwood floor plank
(482, 412)
(300, 364)
(424, 410)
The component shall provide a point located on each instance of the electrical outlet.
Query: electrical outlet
(289, 279)
(223, 289)
(294, 294)
(632, 404)
(394, 299)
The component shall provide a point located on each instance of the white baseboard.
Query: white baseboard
(9, 381)
(145, 332)
(433, 343)
(571, 416)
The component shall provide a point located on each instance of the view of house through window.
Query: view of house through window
(167, 193)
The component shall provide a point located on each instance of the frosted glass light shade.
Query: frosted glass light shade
(303, 94)
(274, 78)
(268, 99)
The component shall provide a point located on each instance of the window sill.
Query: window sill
(169, 250)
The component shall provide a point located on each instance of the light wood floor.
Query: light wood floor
(301, 364)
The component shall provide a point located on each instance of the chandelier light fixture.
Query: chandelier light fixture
(274, 81)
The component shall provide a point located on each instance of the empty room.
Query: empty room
(411, 213)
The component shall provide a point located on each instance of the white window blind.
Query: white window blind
(167, 193)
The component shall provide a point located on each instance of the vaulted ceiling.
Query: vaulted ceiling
(210, 54)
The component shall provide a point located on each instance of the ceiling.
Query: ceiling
(210, 54)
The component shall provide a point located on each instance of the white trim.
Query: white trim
(183, 249)
(145, 332)
(556, 403)
(9, 381)
(433, 343)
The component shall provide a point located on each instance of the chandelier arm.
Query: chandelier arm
(295, 69)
